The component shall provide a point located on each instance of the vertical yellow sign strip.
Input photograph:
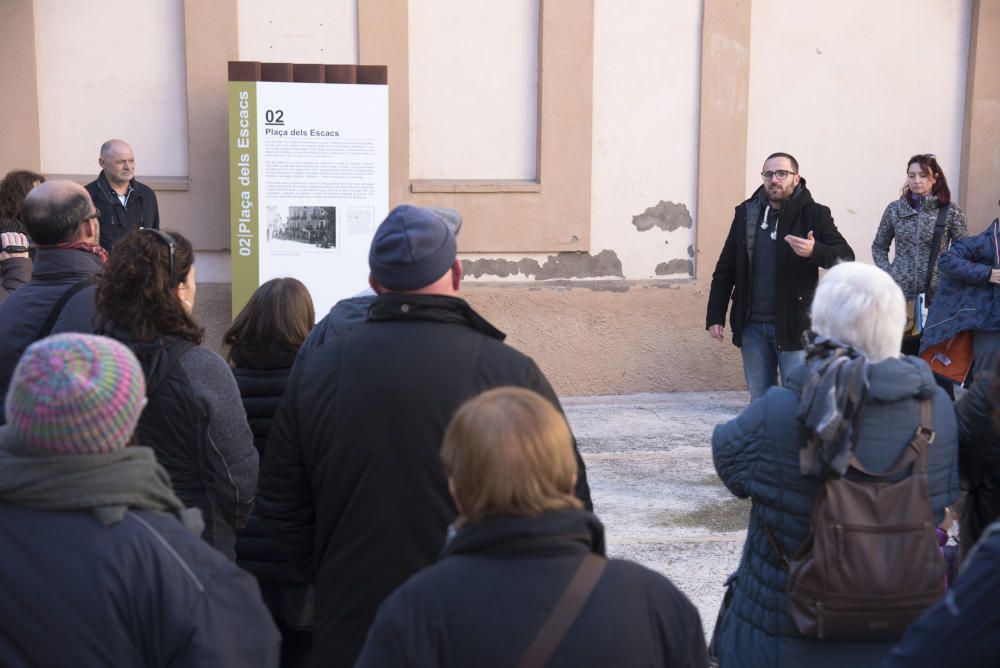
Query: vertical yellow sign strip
(243, 193)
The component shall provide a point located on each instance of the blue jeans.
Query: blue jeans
(762, 360)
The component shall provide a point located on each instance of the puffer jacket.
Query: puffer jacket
(913, 232)
(262, 377)
(966, 300)
(757, 456)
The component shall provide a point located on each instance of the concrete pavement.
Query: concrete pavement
(649, 463)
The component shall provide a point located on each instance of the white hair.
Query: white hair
(860, 305)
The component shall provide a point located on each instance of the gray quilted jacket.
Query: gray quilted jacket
(913, 232)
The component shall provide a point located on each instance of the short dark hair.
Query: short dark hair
(137, 292)
(779, 154)
(51, 221)
(279, 315)
(929, 164)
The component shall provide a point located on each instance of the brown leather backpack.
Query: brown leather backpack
(871, 564)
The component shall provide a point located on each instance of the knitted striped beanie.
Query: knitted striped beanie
(75, 394)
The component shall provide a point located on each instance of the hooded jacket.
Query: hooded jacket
(757, 457)
(352, 481)
(966, 300)
(484, 601)
(795, 277)
(117, 220)
(913, 232)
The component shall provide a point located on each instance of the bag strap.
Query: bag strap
(50, 321)
(565, 613)
(921, 440)
(939, 226)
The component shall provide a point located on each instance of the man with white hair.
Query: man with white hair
(124, 203)
(857, 401)
(768, 268)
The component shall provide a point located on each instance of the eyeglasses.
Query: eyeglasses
(781, 175)
(170, 243)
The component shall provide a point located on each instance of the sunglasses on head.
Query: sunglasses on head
(166, 239)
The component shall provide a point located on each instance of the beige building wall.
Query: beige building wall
(473, 115)
(686, 99)
(853, 89)
(95, 84)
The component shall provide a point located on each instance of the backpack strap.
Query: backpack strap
(54, 314)
(921, 441)
(939, 226)
(565, 613)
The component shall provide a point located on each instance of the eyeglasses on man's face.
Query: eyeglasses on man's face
(779, 175)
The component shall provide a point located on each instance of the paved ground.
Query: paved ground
(649, 463)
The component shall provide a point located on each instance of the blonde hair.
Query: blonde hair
(862, 306)
(509, 452)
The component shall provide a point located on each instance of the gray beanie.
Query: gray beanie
(413, 247)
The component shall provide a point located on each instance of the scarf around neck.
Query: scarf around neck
(100, 252)
(831, 406)
(105, 484)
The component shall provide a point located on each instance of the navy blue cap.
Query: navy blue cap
(413, 247)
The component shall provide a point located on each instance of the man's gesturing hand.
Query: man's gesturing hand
(802, 247)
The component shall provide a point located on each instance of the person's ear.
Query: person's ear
(456, 274)
(100, 161)
(375, 285)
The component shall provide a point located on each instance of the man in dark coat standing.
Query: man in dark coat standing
(124, 203)
(62, 220)
(768, 268)
(351, 481)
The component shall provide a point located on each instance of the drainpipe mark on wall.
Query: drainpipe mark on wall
(561, 265)
(678, 266)
(668, 216)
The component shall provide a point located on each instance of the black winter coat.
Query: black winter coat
(116, 220)
(795, 277)
(495, 585)
(262, 377)
(352, 480)
(141, 592)
(24, 312)
(978, 458)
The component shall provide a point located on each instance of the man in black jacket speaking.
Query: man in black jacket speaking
(351, 480)
(769, 267)
(124, 203)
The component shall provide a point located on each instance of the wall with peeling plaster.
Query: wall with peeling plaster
(646, 76)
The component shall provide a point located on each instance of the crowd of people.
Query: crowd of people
(394, 485)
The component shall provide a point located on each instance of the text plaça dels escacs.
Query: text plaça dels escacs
(311, 132)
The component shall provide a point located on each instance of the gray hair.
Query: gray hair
(860, 305)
